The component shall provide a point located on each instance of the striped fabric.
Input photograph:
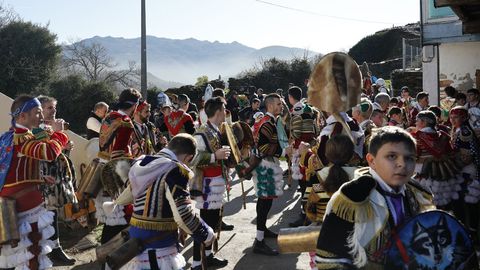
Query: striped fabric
(28, 152)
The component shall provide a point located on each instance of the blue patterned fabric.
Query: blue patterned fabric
(6, 154)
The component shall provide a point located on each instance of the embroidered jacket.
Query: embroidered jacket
(24, 171)
(209, 184)
(268, 145)
(358, 223)
(164, 205)
(146, 133)
(302, 124)
(467, 147)
(116, 136)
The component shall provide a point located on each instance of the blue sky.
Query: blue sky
(317, 25)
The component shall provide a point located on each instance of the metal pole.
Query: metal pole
(144, 53)
(403, 53)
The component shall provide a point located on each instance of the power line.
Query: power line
(324, 15)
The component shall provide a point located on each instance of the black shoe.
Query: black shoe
(259, 247)
(198, 267)
(301, 221)
(226, 227)
(270, 234)
(59, 257)
(216, 262)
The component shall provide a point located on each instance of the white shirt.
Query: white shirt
(384, 186)
(94, 124)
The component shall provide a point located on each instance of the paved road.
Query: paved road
(236, 246)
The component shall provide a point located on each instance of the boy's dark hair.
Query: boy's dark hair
(421, 95)
(183, 99)
(450, 91)
(339, 151)
(375, 113)
(436, 110)
(255, 100)
(473, 91)
(194, 115)
(390, 134)
(461, 96)
(394, 100)
(295, 92)
(429, 117)
(218, 92)
(183, 143)
(270, 97)
(394, 110)
(19, 101)
(213, 105)
(405, 89)
(128, 98)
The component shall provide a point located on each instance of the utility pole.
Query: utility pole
(144, 54)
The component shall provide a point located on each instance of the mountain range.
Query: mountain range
(182, 61)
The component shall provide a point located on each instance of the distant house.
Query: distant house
(450, 32)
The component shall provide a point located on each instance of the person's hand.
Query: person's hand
(222, 153)
(69, 146)
(303, 147)
(57, 124)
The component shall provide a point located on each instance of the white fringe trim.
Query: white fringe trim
(18, 257)
(296, 173)
(116, 217)
(167, 258)
(215, 195)
(260, 187)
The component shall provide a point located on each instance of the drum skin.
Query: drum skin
(431, 240)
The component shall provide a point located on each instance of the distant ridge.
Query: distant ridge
(184, 60)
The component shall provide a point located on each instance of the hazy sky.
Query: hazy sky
(317, 25)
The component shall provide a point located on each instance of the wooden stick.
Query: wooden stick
(203, 256)
(243, 194)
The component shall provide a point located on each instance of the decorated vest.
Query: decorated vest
(115, 136)
(175, 122)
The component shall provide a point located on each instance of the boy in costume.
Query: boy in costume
(361, 215)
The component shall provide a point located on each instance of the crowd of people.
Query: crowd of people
(362, 171)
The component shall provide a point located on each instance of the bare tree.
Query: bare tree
(7, 15)
(96, 65)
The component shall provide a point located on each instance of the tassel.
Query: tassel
(352, 211)
(48, 232)
(25, 228)
(44, 262)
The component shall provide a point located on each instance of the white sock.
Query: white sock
(196, 263)
(208, 252)
(260, 235)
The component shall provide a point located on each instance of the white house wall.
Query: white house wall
(459, 64)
